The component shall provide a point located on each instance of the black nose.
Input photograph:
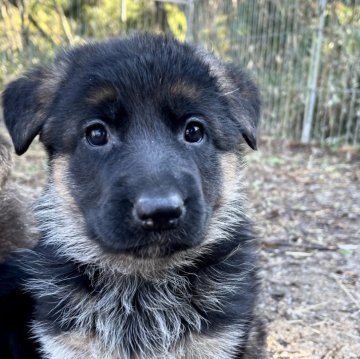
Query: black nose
(159, 211)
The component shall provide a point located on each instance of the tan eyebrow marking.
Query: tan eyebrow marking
(186, 89)
(101, 94)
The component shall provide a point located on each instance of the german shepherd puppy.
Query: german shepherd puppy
(146, 250)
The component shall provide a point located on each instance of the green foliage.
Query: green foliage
(32, 33)
(177, 21)
(272, 39)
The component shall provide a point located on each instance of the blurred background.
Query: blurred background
(304, 54)
(303, 183)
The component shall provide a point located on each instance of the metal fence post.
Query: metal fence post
(123, 11)
(313, 77)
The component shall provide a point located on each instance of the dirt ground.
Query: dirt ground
(306, 203)
(307, 206)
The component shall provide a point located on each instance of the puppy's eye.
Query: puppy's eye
(194, 132)
(97, 135)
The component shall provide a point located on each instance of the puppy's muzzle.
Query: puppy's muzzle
(159, 211)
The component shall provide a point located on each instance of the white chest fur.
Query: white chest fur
(221, 345)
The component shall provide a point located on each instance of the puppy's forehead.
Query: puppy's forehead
(157, 67)
(109, 91)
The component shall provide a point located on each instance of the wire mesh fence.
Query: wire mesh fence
(304, 54)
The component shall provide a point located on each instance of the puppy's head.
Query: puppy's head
(136, 130)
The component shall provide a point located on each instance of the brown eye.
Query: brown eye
(97, 135)
(194, 132)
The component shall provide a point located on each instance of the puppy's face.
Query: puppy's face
(139, 127)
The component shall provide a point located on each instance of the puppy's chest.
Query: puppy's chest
(74, 345)
(134, 320)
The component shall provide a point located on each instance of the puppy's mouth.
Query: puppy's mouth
(150, 244)
(157, 237)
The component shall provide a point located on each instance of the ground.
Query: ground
(306, 203)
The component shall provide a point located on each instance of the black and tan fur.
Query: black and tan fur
(106, 281)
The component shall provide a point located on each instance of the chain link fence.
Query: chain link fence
(305, 55)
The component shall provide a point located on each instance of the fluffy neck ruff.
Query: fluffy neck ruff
(127, 314)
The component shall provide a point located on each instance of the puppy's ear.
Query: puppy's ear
(244, 100)
(25, 103)
(241, 94)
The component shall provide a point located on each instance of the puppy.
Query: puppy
(146, 249)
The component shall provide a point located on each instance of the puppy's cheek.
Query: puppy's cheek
(230, 181)
(62, 186)
(227, 211)
(111, 225)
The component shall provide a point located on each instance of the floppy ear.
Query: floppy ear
(25, 103)
(241, 93)
(244, 100)
(23, 112)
